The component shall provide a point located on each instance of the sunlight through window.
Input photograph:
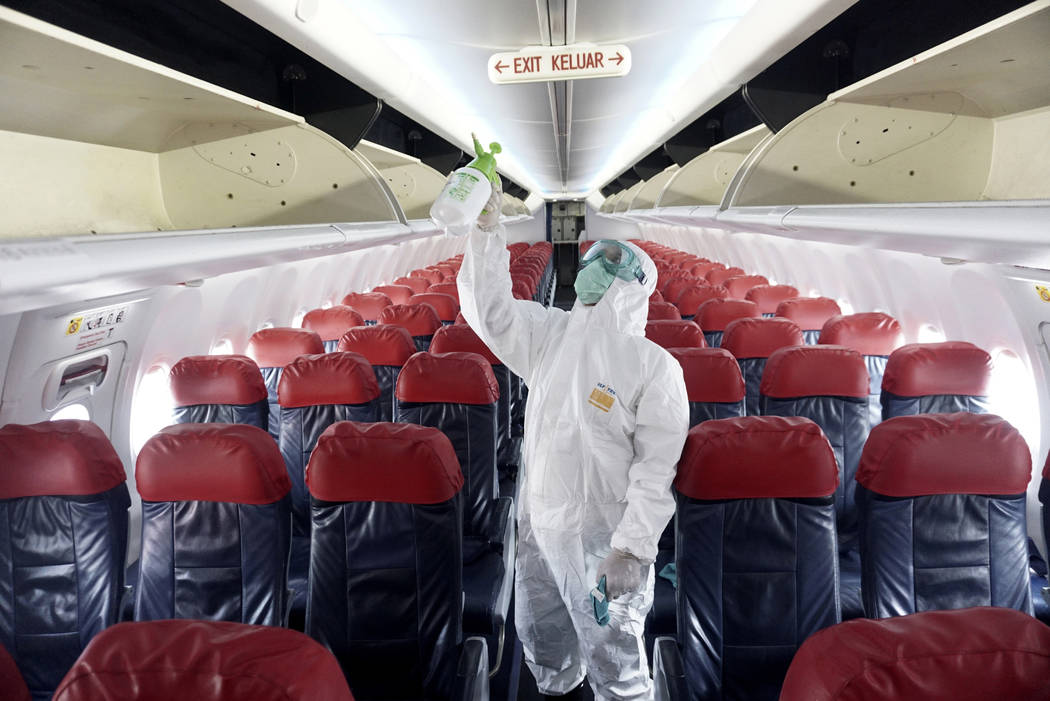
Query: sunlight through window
(151, 406)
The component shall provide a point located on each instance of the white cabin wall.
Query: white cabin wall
(993, 306)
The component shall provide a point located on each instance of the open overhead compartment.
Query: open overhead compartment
(965, 121)
(650, 192)
(104, 142)
(703, 180)
(609, 205)
(415, 184)
(625, 203)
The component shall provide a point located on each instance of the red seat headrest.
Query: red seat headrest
(769, 297)
(815, 371)
(330, 324)
(663, 311)
(275, 348)
(960, 453)
(757, 457)
(216, 379)
(656, 296)
(454, 378)
(740, 285)
(809, 313)
(445, 305)
(715, 314)
(711, 374)
(461, 339)
(429, 274)
(692, 297)
(521, 290)
(403, 463)
(758, 338)
(418, 319)
(952, 367)
(669, 333)
(204, 661)
(675, 288)
(460, 320)
(368, 304)
(868, 333)
(718, 276)
(332, 378)
(974, 653)
(234, 463)
(379, 345)
(57, 458)
(417, 284)
(397, 293)
(446, 288)
(704, 267)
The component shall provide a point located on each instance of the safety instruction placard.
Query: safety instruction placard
(573, 62)
(94, 327)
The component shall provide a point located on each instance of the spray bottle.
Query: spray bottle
(467, 191)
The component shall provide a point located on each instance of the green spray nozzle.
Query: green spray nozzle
(486, 162)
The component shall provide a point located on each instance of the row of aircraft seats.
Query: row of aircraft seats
(932, 655)
(216, 498)
(312, 394)
(748, 485)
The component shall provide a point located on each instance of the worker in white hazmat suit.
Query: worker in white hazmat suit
(606, 419)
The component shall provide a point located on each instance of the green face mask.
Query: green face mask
(592, 282)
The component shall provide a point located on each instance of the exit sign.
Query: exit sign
(573, 62)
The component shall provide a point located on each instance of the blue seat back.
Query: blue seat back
(420, 320)
(457, 394)
(714, 315)
(872, 334)
(386, 560)
(756, 551)
(387, 348)
(216, 525)
(315, 392)
(829, 386)
(936, 378)
(810, 313)
(63, 541)
(752, 341)
(272, 349)
(713, 383)
(461, 338)
(224, 389)
(942, 515)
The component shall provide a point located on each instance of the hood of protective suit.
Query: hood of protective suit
(625, 305)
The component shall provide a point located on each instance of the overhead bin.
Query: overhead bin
(703, 180)
(415, 184)
(610, 202)
(650, 192)
(965, 121)
(96, 140)
(627, 200)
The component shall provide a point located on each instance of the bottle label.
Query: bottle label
(461, 186)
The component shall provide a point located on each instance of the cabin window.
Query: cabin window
(151, 406)
(72, 411)
(1012, 394)
(223, 346)
(928, 333)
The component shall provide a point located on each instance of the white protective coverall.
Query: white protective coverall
(605, 423)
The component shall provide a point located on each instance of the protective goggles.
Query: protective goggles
(616, 258)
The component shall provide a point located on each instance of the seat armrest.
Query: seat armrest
(668, 673)
(472, 674)
(504, 533)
